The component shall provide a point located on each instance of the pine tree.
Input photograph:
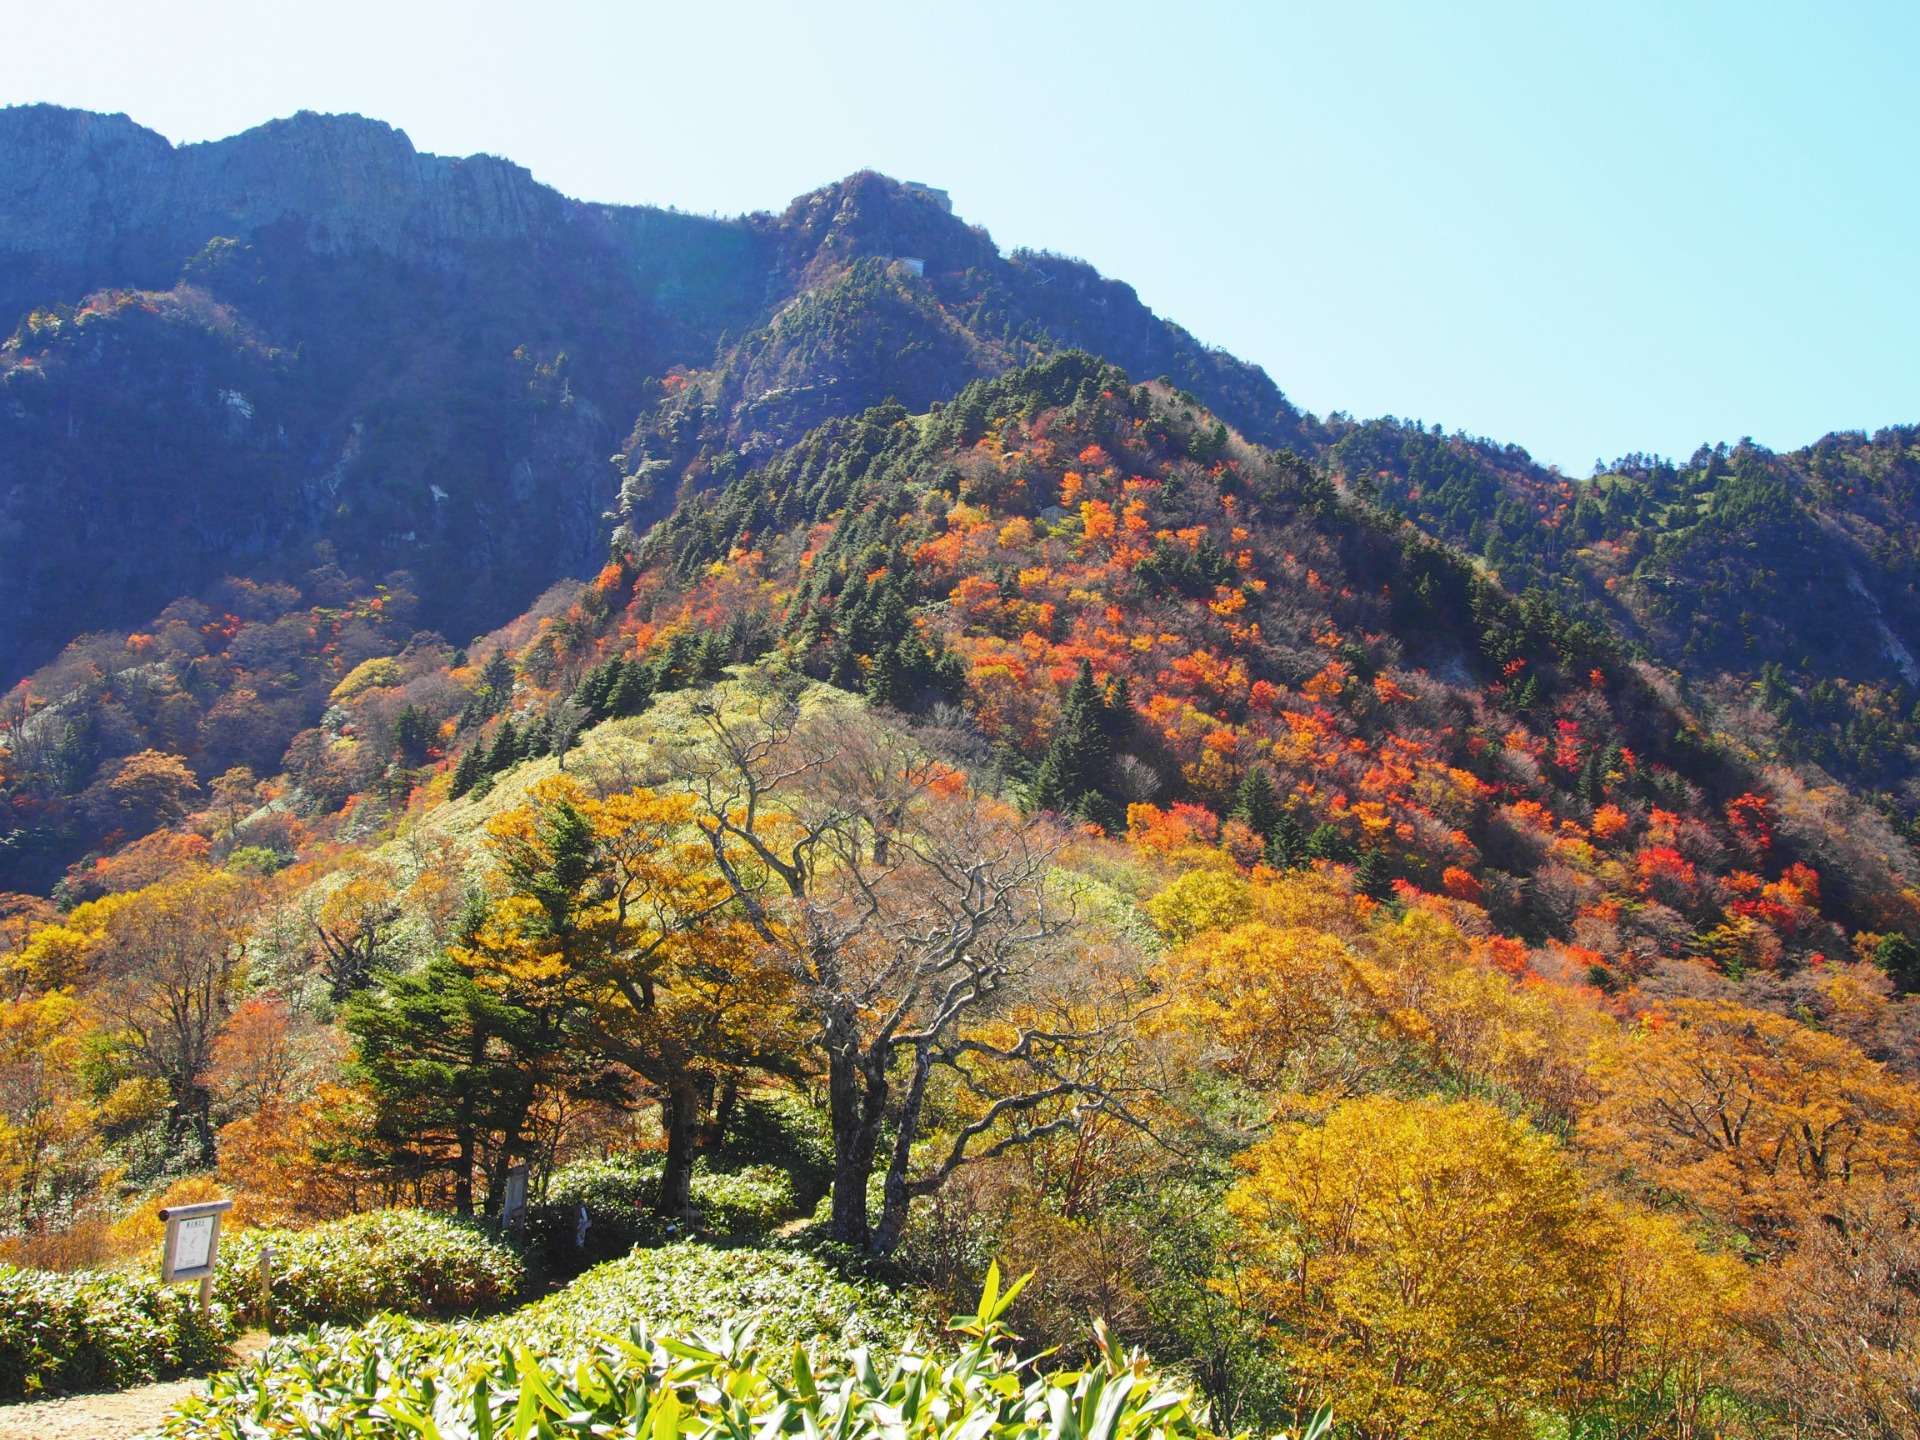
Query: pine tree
(1072, 780)
(1119, 724)
(1287, 844)
(496, 682)
(440, 1055)
(468, 772)
(1900, 958)
(1371, 876)
(504, 753)
(596, 688)
(884, 685)
(1258, 803)
(632, 689)
(412, 733)
(1327, 843)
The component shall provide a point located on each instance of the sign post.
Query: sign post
(193, 1245)
(513, 1207)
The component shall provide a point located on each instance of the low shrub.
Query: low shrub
(95, 1330)
(395, 1381)
(780, 1128)
(692, 1287)
(619, 1194)
(407, 1261)
(745, 1202)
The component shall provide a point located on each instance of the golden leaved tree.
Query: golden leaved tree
(1754, 1118)
(612, 910)
(1428, 1266)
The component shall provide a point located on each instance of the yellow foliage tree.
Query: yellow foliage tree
(1429, 1266)
(614, 913)
(47, 1136)
(1752, 1117)
(1271, 1006)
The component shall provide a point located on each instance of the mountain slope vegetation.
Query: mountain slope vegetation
(311, 343)
(1420, 944)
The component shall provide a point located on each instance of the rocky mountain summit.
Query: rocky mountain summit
(312, 344)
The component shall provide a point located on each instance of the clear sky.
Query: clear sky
(1586, 228)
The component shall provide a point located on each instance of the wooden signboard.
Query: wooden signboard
(192, 1248)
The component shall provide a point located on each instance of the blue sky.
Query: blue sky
(1587, 229)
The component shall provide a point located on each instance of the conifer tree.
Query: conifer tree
(440, 1055)
(1371, 877)
(1287, 844)
(1327, 843)
(1900, 958)
(505, 750)
(1119, 725)
(1258, 803)
(412, 733)
(883, 685)
(468, 772)
(1072, 779)
(631, 690)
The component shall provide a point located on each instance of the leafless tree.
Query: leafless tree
(927, 935)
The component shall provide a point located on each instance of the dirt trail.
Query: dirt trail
(110, 1414)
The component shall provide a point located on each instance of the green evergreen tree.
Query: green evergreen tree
(1327, 842)
(632, 689)
(1287, 844)
(1258, 803)
(467, 773)
(595, 694)
(1371, 875)
(884, 680)
(440, 1055)
(1900, 958)
(412, 734)
(496, 682)
(1119, 718)
(504, 753)
(1079, 759)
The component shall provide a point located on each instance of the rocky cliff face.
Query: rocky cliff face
(96, 199)
(312, 339)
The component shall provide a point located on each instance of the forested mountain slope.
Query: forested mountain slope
(310, 342)
(1044, 825)
(1781, 587)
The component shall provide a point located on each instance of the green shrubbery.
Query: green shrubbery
(774, 1127)
(366, 1382)
(92, 1330)
(740, 1372)
(750, 1201)
(620, 1192)
(408, 1261)
(695, 1288)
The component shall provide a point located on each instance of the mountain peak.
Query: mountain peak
(869, 214)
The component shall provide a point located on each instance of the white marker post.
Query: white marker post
(193, 1245)
(513, 1205)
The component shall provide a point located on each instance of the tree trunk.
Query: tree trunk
(895, 1197)
(463, 1176)
(857, 1101)
(724, 1109)
(192, 1122)
(680, 1115)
